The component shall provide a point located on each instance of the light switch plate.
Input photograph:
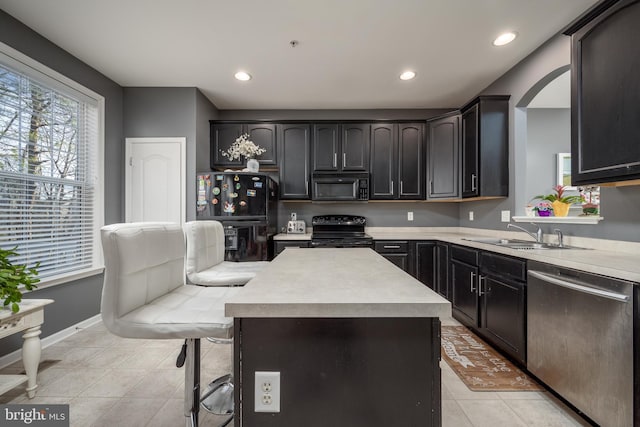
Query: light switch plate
(470, 215)
(409, 216)
(505, 216)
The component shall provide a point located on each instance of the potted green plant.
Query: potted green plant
(559, 201)
(13, 277)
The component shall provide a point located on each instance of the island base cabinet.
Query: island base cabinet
(341, 371)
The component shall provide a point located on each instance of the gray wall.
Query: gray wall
(78, 300)
(205, 111)
(548, 133)
(374, 114)
(378, 214)
(172, 112)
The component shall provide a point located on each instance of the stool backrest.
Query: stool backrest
(143, 261)
(205, 245)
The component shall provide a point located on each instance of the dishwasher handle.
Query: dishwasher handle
(566, 283)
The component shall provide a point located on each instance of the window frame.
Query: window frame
(52, 79)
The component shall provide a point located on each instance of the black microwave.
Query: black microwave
(339, 187)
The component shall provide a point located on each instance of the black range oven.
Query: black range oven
(339, 231)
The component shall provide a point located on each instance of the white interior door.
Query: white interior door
(155, 180)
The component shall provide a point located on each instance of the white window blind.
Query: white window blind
(49, 138)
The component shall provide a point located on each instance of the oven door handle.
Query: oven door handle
(566, 283)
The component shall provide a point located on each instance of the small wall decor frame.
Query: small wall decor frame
(564, 171)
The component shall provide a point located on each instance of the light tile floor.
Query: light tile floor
(110, 381)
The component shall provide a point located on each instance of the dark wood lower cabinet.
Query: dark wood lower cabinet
(464, 295)
(280, 245)
(374, 372)
(488, 295)
(503, 314)
(399, 252)
(432, 266)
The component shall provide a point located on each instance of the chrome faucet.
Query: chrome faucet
(560, 237)
(537, 235)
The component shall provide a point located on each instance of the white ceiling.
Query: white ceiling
(349, 55)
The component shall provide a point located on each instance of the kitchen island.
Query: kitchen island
(355, 340)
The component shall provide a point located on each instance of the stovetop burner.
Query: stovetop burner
(339, 231)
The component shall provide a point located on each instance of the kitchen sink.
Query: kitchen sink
(517, 244)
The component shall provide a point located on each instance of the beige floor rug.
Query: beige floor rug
(479, 366)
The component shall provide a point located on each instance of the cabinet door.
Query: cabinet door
(470, 152)
(383, 164)
(443, 158)
(401, 260)
(464, 298)
(605, 79)
(355, 147)
(222, 136)
(426, 264)
(442, 260)
(264, 135)
(294, 161)
(325, 147)
(503, 316)
(411, 160)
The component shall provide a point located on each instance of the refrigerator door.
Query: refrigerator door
(246, 241)
(231, 195)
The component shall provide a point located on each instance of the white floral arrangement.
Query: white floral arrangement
(243, 146)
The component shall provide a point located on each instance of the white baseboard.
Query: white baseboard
(13, 357)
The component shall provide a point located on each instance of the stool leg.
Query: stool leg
(192, 382)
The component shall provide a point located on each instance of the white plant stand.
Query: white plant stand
(28, 319)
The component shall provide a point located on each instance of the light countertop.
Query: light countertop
(331, 282)
(606, 257)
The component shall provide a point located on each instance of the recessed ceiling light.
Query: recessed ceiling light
(407, 75)
(505, 38)
(241, 75)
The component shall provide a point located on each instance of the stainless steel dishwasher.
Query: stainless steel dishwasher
(580, 340)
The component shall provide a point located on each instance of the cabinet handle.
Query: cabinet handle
(401, 187)
(335, 160)
(480, 282)
(391, 187)
(431, 186)
(473, 281)
(474, 182)
(391, 246)
(344, 160)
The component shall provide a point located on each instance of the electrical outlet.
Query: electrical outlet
(409, 216)
(505, 216)
(267, 392)
(470, 215)
(294, 216)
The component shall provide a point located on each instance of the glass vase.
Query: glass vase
(253, 165)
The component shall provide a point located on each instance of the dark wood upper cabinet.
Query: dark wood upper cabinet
(397, 161)
(326, 144)
(411, 160)
(294, 150)
(605, 88)
(264, 135)
(443, 148)
(355, 147)
(383, 165)
(341, 147)
(222, 136)
(485, 147)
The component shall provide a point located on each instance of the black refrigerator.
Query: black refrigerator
(246, 205)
